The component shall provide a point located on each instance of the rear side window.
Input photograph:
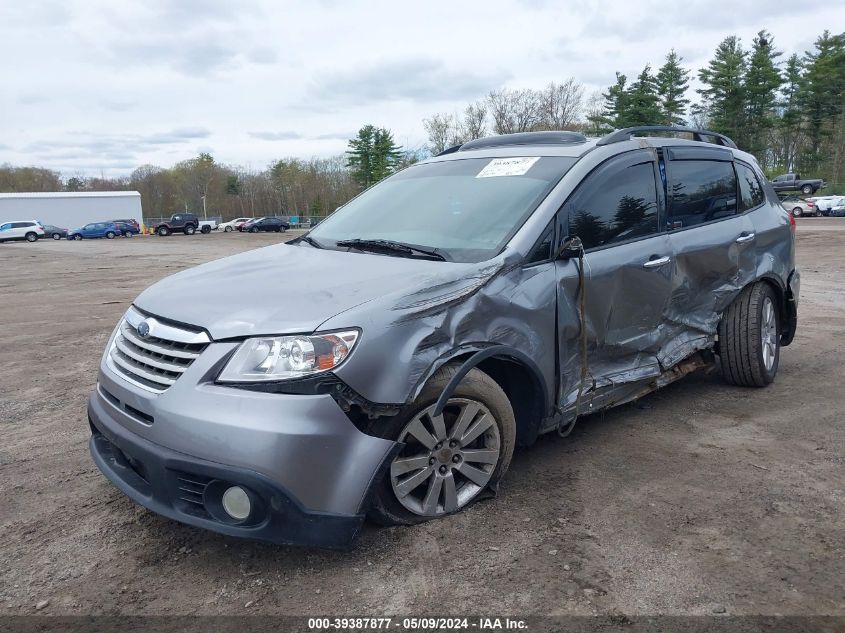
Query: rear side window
(615, 206)
(700, 191)
(750, 190)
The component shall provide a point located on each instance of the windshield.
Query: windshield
(466, 209)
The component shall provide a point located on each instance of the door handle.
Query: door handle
(656, 263)
(745, 237)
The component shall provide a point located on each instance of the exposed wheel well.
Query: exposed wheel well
(525, 392)
(787, 321)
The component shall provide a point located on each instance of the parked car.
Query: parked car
(266, 224)
(798, 207)
(29, 230)
(794, 182)
(837, 208)
(824, 203)
(54, 231)
(95, 230)
(207, 226)
(186, 223)
(131, 221)
(231, 225)
(455, 310)
(126, 229)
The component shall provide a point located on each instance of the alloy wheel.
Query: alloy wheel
(447, 459)
(769, 333)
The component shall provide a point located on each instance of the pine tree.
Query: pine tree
(790, 120)
(642, 101)
(762, 81)
(615, 106)
(372, 155)
(723, 94)
(821, 96)
(672, 84)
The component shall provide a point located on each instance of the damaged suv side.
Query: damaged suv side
(454, 311)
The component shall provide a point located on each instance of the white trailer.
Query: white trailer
(71, 209)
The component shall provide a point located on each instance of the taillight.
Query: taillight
(792, 222)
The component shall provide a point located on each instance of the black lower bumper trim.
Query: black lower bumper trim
(180, 487)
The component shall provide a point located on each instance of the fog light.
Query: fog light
(236, 503)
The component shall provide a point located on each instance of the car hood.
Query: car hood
(285, 289)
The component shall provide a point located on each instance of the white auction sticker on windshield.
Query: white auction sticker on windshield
(507, 167)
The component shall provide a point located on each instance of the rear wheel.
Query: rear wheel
(749, 337)
(31, 237)
(228, 229)
(447, 461)
(205, 230)
(797, 212)
(807, 190)
(57, 236)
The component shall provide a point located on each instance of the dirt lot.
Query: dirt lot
(699, 498)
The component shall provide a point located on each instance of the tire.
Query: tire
(31, 237)
(797, 211)
(205, 230)
(228, 229)
(749, 337)
(129, 234)
(190, 229)
(254, 230)
(807, 190)
(477, 389)
(57, 236)
(110, 235)
(163, 231)
(77, 237)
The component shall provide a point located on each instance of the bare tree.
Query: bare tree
(514, 110)
(442, 132)
(474, 124)
(561, 104)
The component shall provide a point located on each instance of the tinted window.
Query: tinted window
(701, 191)
(750, 190)
(6, 227)
(615, 206)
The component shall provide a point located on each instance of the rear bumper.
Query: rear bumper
(188, 489)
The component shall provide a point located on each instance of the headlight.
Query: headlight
(287, 357)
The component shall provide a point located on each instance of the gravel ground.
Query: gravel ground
(701, 498)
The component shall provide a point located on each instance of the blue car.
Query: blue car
(109, 230)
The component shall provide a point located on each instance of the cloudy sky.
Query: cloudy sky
(101, 87)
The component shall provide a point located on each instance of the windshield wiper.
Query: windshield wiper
(392, 247)
(310, 240)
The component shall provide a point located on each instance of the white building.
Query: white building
(70, 210)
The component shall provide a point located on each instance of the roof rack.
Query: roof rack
(625, 134)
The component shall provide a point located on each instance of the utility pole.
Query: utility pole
(204, 213)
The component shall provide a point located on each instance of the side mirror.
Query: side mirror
(571, 247)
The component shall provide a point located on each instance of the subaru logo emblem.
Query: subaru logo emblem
(143, 329)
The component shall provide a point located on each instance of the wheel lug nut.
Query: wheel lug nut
(453, 444)
(431, 461)
(456, 458)
(442, 470)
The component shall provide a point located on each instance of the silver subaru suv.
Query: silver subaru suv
(445, 316)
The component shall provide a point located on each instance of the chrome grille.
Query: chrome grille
(155, 361)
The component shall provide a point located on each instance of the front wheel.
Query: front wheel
(749, 337)
(446, 461)
(77, 237)
(254, 230)
(163, 231)
(807, 190)
(57, 236)
(110, 235)
(228, 229)
(190, 229)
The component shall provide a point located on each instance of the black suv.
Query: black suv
(267, 224)
(186, 223)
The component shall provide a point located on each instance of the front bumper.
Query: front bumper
(187, 489)
(309, 467)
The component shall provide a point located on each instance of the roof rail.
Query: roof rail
(449, 150)
(625, 134)
(526, 138)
